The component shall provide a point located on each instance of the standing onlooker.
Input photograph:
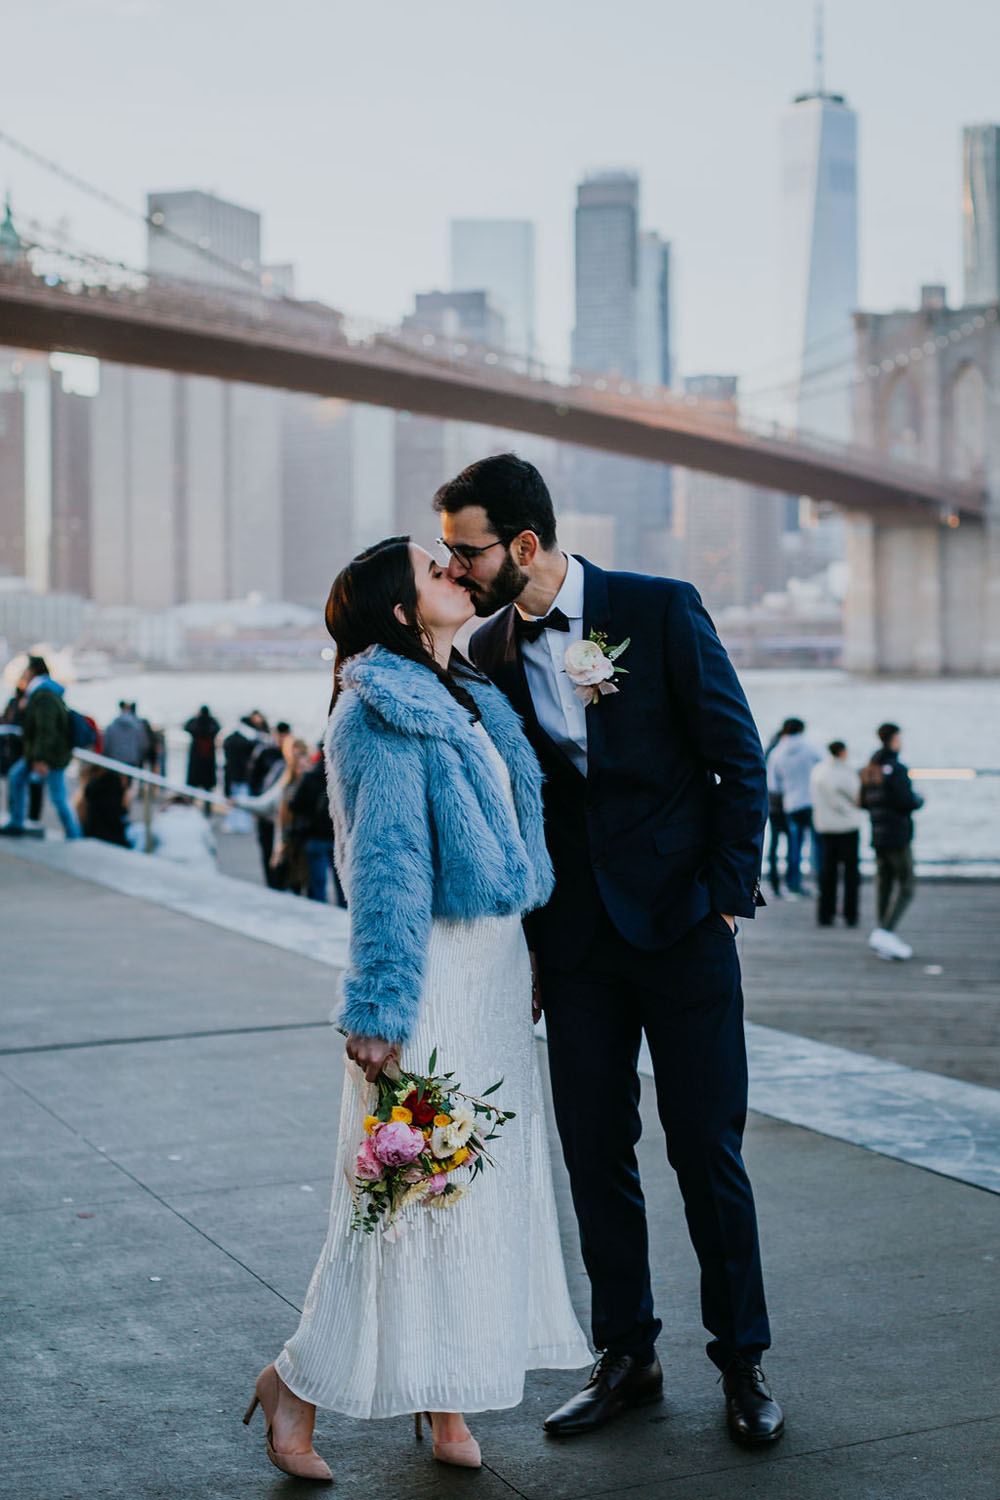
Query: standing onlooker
(777, 823)
(265, 768)
(102, 804)
(126, 738)
(237, 753)
(887, 794)
(310, 807)
(48, 748)
(155, 758)
(266, 805)
(289, 854)
(836, 797)
(12, 748)
(201, 768)
(789, 769)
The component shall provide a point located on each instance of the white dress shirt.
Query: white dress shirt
(560, 713)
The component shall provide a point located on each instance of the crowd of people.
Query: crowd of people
(273, 782)
(824, 800)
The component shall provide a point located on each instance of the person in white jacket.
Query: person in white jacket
(836, 794)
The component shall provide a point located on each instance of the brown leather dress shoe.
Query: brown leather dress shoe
(753, 1417)
(616, 1382)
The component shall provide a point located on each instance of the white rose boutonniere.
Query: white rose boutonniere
(590, 666)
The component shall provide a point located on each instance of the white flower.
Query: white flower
(586, 665)
(463, 1122)
(444, 1141)
(448, 1200)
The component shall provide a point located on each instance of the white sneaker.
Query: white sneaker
(881, 941)
(897, 948)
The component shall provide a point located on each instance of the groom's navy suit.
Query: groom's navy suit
(662, 835)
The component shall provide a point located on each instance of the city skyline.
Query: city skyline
(699, 123)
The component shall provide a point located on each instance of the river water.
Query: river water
(946, 724)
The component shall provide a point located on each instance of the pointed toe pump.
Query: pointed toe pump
(464, 1454)
(306, 1465)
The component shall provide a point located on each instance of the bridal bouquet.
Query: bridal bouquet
(423, 1131)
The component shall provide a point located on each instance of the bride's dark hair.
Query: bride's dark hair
(361, 612)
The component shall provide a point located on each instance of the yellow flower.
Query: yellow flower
(427, 1132)
(442, 1119)
(401, 1113)
(460, 1155)
(370, 1122)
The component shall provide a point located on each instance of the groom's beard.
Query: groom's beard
(508, 585)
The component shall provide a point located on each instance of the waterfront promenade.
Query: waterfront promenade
(170, 1094)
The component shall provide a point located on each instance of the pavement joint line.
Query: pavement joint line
(152, 1193)
(171, 1036)
(782, 1455)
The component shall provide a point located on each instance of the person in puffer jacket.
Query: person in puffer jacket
(47, 750)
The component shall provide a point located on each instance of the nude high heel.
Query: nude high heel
(464, 1454)
(300, 1465)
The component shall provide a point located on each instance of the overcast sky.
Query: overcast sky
(359, 129)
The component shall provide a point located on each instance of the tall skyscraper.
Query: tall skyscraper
(229, 234)
(981, 212)
(653, 324)
(819, 252)
(497, 256)
(607, 273)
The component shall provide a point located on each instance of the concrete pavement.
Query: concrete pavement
(167, 1164)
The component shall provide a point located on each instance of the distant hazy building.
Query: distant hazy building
(819, 249)
(981, 212)
(459, 315)
(497, 256)
(224, 239)
(728, 534)
(11, 475)
(607, 273)
(70, 534)
(654, 364)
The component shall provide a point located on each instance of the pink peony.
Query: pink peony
(396, 1143)
(368, 1167)
(437, 1184)
(413, 1174)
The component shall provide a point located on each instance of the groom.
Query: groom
(655, 804)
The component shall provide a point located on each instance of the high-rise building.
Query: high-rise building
(468, 315)
(497, 256)
(12, 558)
(607, 273)
(819, 236)
(981, 212)
(223, 239)
(653, 322)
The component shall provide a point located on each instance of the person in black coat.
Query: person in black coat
(201, 767)
(313, 827)
(655, 808)
(887, 795)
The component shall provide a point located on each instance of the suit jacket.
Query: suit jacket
(668, 823)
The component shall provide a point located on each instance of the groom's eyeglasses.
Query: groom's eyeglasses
(463, 555)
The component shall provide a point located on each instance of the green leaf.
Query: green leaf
(433, 1062)
(493, 1088)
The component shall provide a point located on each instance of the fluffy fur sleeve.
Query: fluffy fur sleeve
(379, 795)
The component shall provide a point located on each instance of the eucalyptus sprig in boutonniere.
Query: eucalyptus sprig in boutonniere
(590, 666)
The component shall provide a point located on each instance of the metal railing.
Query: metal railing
(150, 780)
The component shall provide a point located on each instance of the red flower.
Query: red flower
(422, 1112)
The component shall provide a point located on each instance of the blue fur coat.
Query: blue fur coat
(423, 828)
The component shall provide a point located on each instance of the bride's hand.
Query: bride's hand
(370, 1053)
(536, 992)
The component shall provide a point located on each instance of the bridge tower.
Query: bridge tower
(924, 596)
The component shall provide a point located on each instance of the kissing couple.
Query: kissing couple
(569, 821)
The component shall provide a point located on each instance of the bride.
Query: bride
(436, 799)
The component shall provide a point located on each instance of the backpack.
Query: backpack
(82, 734)
(872, 780)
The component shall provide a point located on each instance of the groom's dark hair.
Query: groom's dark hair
(511, 491)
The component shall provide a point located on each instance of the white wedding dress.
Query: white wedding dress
(451, 1315)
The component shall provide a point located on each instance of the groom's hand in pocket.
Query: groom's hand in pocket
(536, 991)
(370, 1053)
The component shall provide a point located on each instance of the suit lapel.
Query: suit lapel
(512, 679)
(596, 616)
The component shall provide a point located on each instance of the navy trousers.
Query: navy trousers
(689, 1002)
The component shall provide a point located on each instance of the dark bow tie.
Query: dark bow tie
(530, 630)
